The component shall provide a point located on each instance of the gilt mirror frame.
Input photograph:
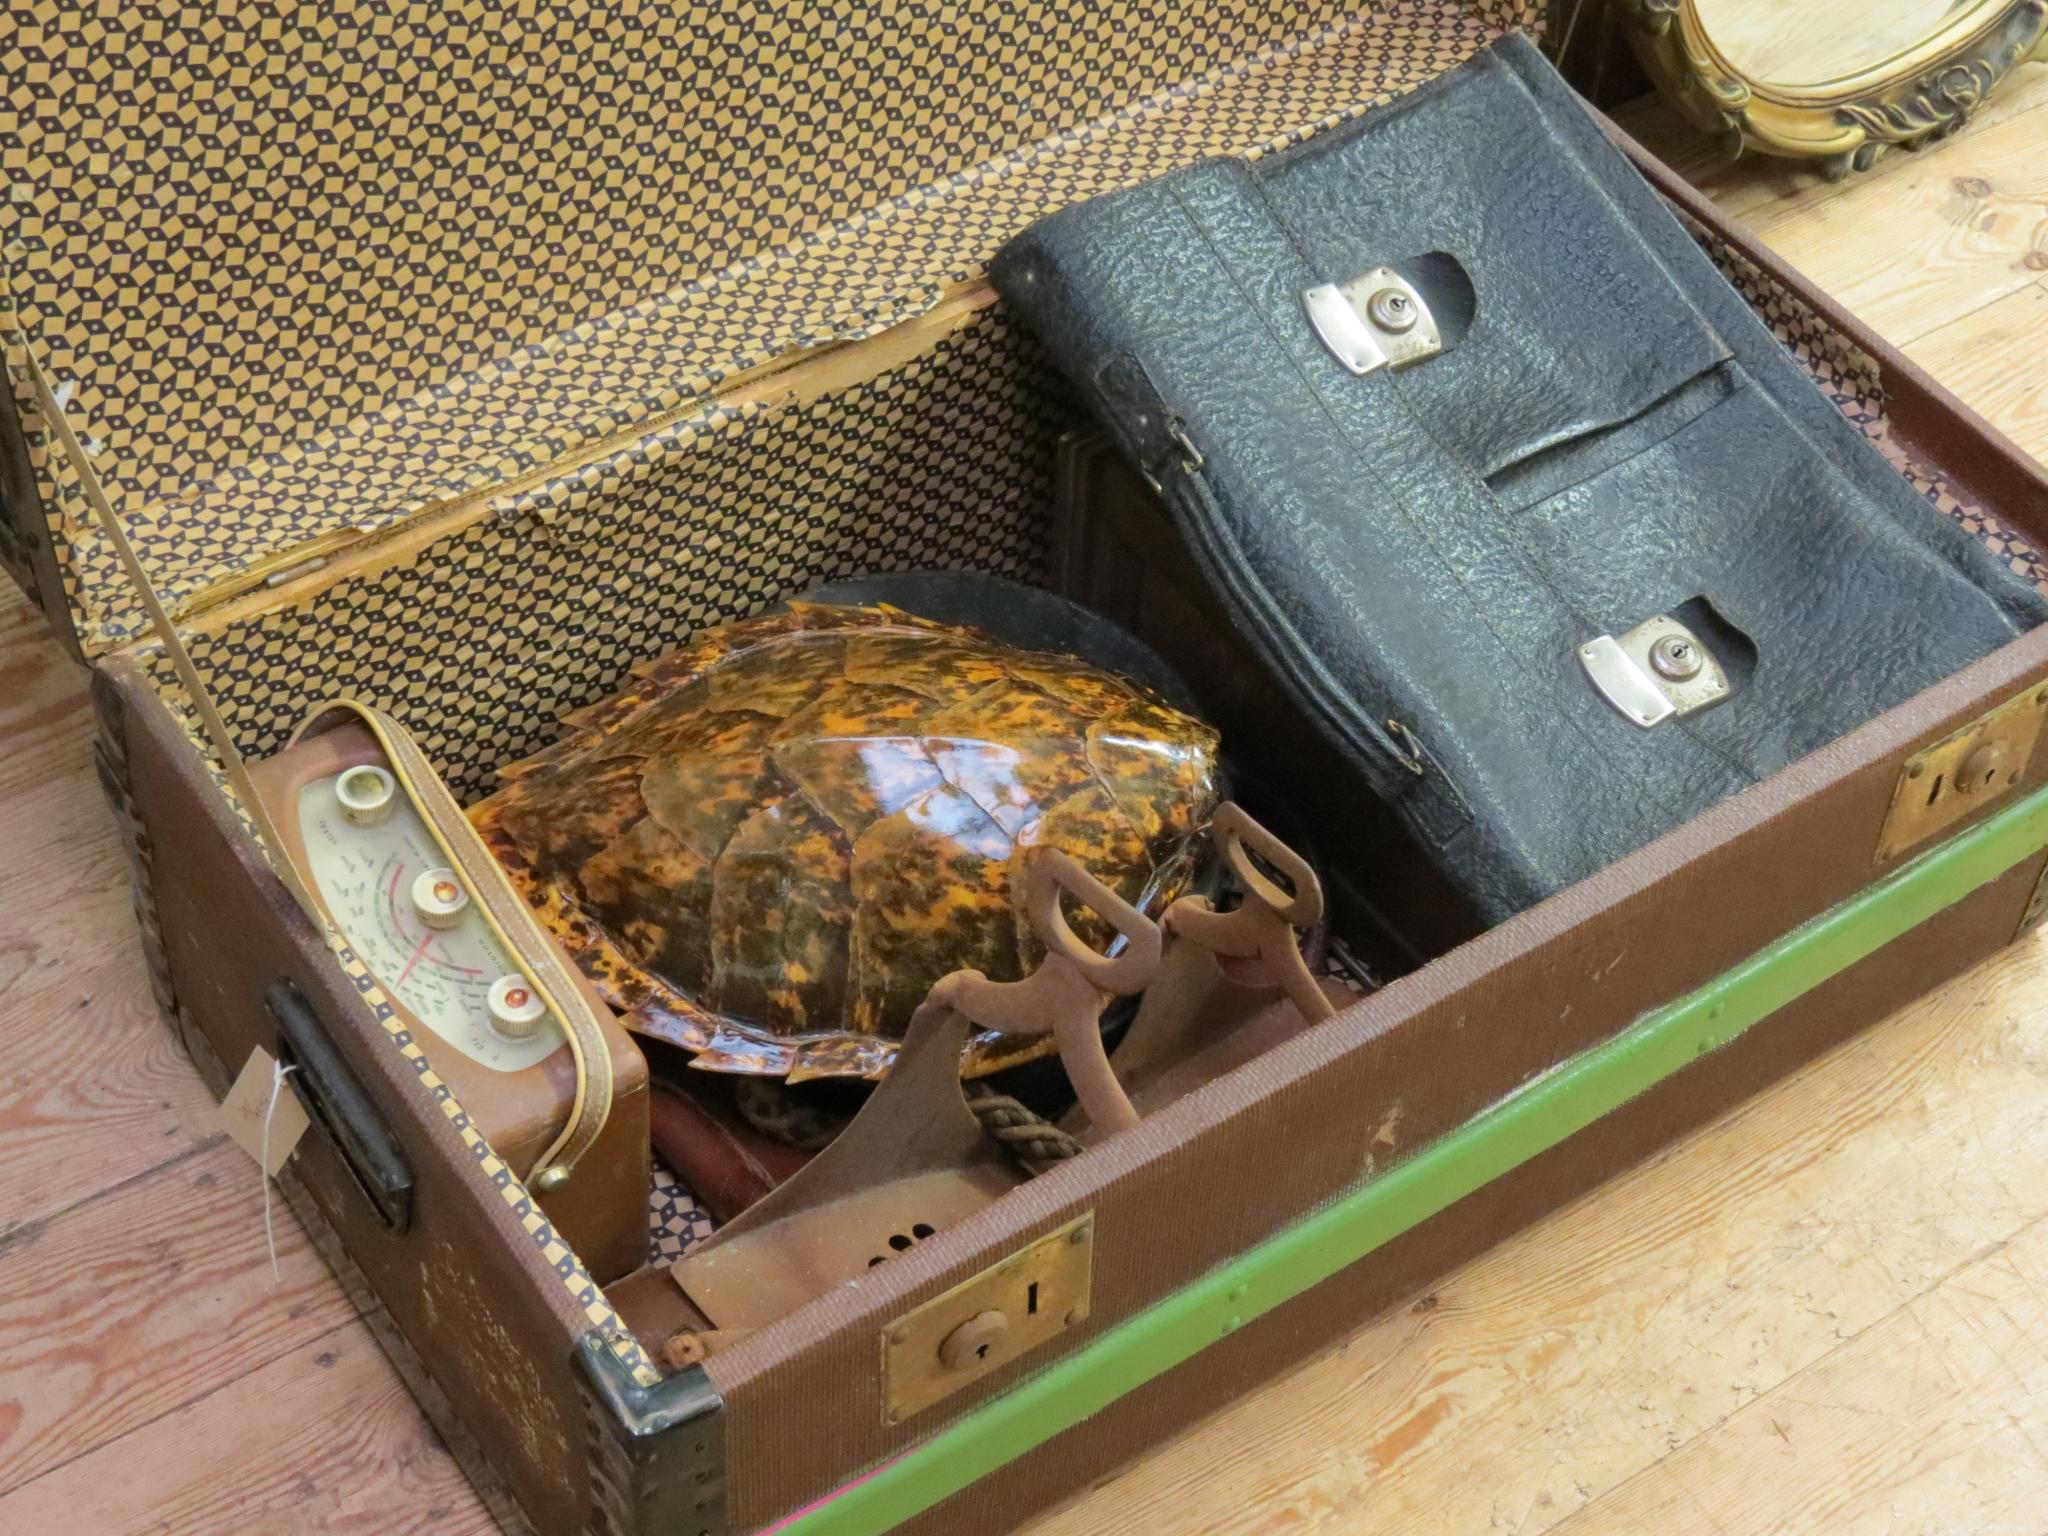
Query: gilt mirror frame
(1920, 93)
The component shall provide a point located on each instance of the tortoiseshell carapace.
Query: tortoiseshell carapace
(770, 844)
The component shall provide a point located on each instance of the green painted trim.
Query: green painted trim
(1531, 1120)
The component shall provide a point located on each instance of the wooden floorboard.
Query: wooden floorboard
(1929, 1420)
(130, 1305)
(1995, 358)
(323, 1438)
(1825, 1312)
(1914, 244)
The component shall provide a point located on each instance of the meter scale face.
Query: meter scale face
(382, 879)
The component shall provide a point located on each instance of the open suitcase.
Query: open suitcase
(459, 362)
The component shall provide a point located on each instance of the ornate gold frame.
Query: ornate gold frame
(1918, 95)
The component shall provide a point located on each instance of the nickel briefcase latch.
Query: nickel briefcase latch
(1658, 671)
(1377, 320)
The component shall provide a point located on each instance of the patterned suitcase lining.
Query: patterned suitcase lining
(676, 1222)
(221, 475)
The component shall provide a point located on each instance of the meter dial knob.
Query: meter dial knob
(439, 898)
(367, 794)
(515, 1008)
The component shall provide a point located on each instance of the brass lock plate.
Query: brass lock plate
(1963, 772)
(983, 1323)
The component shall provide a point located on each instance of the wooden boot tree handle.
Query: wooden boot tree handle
(1053, 874)
(1262, 926)
(1064, 995)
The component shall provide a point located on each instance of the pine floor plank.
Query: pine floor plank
(123, 1308)
(1944, 235)
(93, 1091)
(321, 1441)
(1936, 1413)
(1996, 358)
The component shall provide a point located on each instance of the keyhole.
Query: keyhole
(1031, 1300)
(1934, 794)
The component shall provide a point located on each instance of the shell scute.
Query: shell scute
(779, 914)
(918, 661)
(700, 794)
(1156, 782)
(853, 752)
(930, 888)
(653, 891)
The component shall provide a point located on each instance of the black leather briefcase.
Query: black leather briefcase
(1496, 477)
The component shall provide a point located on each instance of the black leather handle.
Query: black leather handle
(335, 1100)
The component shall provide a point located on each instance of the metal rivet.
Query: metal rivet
(1391, 310)
(1677, 658)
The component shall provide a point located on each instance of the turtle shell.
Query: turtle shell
(772, 842)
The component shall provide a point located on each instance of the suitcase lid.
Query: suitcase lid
(302, 279)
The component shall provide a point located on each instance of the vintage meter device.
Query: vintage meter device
(545, 1071)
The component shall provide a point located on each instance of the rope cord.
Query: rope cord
(1034, 1142)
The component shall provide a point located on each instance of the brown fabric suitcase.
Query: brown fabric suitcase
(461, 385)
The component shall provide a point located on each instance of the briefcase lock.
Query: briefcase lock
(1377, 320)
(1658, 671)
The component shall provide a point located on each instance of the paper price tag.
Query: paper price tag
(243, 1111)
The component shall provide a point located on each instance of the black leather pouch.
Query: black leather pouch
(1427, 557)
